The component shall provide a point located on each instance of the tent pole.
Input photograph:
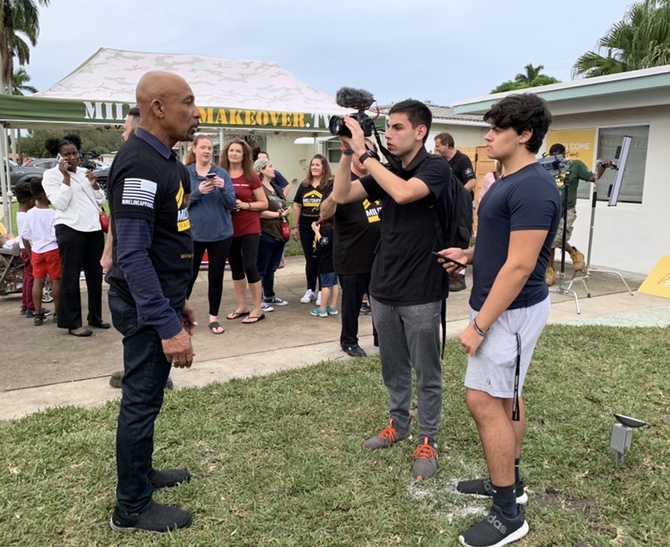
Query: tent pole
(5, 182)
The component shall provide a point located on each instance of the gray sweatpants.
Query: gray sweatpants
(409, 336)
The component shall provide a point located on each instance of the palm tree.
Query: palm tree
(532, 77)
(527, 78)
(20, 82)
(19, 21)
(640, 40)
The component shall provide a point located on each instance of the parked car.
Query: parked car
(42, 163)
(101, 174)
(20, 173)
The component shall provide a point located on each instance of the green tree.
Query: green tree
(20, 82)
(532, 77)
(103, 141)
(640, 40)
(19, 21)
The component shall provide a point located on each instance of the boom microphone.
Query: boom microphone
(349, 97)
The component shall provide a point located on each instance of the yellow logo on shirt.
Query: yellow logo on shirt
(183, 222)
(372, 210)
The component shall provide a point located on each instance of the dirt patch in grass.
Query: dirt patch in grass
(552, 499)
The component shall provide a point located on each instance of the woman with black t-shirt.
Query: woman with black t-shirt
(306, 205)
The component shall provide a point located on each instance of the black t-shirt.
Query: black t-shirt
(404, 271)
(357, 229)
(462, 167)
(324, 249)
(525, 200)
(310, 200)
(145, 185)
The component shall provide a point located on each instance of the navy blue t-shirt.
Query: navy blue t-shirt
(525, 200)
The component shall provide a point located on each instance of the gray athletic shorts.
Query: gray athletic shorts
(492, 368)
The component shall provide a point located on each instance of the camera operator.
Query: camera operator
(407, 288)
(578, 171)
(357, 229)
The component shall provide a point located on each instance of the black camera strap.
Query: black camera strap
(392, 160)
(517, 374)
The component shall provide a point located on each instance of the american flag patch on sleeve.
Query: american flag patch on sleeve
(139, 193)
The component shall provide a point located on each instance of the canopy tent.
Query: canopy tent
(231, 94)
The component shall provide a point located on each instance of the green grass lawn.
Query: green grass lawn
(277, 460)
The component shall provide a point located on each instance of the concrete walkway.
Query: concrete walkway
(44, 367)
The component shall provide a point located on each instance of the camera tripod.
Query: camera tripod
(564, 288)
(587, 273)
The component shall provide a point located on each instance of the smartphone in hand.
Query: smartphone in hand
(447, 259)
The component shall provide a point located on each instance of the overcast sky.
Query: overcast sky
(423, 49)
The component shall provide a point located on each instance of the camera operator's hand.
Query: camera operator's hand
(459, 255)
(357, 140)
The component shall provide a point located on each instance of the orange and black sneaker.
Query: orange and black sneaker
(425, 459)
(388, 436)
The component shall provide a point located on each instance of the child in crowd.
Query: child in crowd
(39, 239)
(330, 290)
(26, 202)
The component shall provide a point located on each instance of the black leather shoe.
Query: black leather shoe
(102, 325)
(354, 351)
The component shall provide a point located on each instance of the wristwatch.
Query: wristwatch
(368, 154)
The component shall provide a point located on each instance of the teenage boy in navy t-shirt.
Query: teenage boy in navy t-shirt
(509, 306)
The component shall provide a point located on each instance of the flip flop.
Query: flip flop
(256, 319)
(237, 315)
(215, 325)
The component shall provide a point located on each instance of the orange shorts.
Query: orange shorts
(47, 264)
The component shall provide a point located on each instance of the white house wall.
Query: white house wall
(630, 236)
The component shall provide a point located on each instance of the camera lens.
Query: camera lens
(337, 127)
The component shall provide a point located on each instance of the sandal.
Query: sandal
(237, 315)
(215, 325)
(253, 319)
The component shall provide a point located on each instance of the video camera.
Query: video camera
(361, 100)
(556, 164)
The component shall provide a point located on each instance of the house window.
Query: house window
(610, 139)
(333, 150)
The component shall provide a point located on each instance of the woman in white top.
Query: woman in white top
(77, 198)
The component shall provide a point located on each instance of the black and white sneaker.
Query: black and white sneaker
(155, 518)
(274, 301)
(496, 530)
(484, 489)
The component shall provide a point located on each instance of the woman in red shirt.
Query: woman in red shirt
(236, 159)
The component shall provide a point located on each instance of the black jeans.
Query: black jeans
(311, 265)
(79, 251)
(354, 286)
(217, 251)
(270, 252)
(145, 372)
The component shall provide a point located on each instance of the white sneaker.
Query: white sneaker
(266, 307)
(318, 298)
(308, 297)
